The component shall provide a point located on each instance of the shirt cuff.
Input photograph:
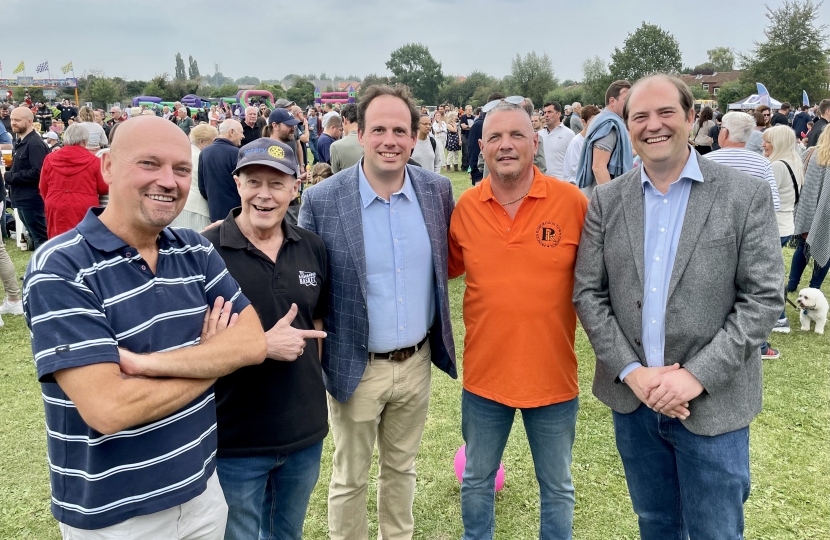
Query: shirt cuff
(628, 369)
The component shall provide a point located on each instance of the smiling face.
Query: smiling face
(265, 193)
(387, 138)
(658, 125)
(509, 144)
(148, 169)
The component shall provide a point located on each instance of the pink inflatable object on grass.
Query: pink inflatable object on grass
(461, 460)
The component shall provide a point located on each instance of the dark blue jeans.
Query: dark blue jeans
(485, 425)
(268, 496)
(683, 485)
(33, 217)
(798, 266)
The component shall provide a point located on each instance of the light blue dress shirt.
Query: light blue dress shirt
(662, 222)
(399, 267)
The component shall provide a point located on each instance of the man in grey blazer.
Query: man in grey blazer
(385, 228)
(347, 151)
(676, 288)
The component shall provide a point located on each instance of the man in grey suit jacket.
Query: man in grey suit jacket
(347, 151)
(676, 288)
(385, 228)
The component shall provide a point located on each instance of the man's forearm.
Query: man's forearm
(601, 175)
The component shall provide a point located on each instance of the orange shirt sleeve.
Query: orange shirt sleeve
(456, 255)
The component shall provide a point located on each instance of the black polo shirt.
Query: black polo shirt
(276, 407)
(250, 134)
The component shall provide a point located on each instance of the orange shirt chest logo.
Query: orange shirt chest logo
(548, 234)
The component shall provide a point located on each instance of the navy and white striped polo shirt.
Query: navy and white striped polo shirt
(86, 293)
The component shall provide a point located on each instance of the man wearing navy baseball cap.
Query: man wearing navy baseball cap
(272, 420)
(283, 124)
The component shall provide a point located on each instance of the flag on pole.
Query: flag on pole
(42, 67)
(67, 68)
(763, 94)
(804, 99)
(20, 67)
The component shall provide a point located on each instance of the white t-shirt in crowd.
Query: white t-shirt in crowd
(572, 157)
(426, 157)
(556, 145)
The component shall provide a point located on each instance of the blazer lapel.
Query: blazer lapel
(425, 192)
(633, 210)
(349, 209)
(701, 199)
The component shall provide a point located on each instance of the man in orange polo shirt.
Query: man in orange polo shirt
(516, 235)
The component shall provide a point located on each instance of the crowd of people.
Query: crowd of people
(189, 379)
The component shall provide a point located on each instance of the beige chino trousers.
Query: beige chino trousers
(390, 407)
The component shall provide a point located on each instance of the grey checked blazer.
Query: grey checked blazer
(332, 210)
(725, 292)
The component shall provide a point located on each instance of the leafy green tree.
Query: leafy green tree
(226, 90)
(650, 49)
(247, 80)
(731, 92)
(706, 68)
(101, 92)
(414, 66)
(371, 80)
(595, 81)
(483, 92)
(721, 58)
(563, 95)
(699, 92)
(275, 89)
(193, 69)
(569, 82)
(533, 76)
(180, 74)
(461, 92)
(134, 88)
(302, 93)
(794, 56)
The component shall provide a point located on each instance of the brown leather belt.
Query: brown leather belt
(399, 355)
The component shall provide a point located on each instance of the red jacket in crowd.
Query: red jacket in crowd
(70, 183)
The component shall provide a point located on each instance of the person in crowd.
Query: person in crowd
(474, 146)
(700, 137)
(215, 167)
(576, 125)
(70, 182)
(165, 112)
(282, 123)
(313, 132)
(252, 125)
(800, 122)
(453, 142)
(555, 137)
(53, 142)
(301, 137)
(508, 365)
(575, 146)
(766, 113)
(117, 116)
(97, 137)
(819, 123)
(213, 116)
(43, 115)
(12, 302)
(536, 122)
(196, 212)
(714, 131)
(319, 172)
(812, 218)
(272, 417)
(439, 131)
(782, 116)
(466, 122)
(185, 122)
(111, 370)
(5, 117)
(566, 116)
(23, 179)
(347, 151)
(385, 228)
(607, 151)
(67, 111)
(426, 148)
(677, 348)
(331, 133)
(756, 137)
(780, 149)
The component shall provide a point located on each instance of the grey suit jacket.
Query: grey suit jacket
(725, 292)
(332, 210)
(346, 152)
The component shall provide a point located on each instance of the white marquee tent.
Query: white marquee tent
(749, 103)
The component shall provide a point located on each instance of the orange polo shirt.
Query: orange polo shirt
(518, 308)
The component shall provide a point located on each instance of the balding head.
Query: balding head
(231, 130)
(22, 119)
(509, 144)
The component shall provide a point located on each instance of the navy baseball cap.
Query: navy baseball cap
(282, 116)
(268, 152)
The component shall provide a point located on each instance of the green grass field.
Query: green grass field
(790, 449)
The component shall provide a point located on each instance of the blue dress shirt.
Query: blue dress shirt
(399, 267)
(662, 222)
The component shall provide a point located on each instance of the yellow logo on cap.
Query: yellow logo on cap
(276, 152)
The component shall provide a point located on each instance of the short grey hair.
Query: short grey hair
(75, 135)
(576, 104)
(739, 125)
(228, 125)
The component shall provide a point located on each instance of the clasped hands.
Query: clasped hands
(667, 390)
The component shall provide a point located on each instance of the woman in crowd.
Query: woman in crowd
(439, 129)
(70, 182)
(213, 116)
(97, 137)
(700, 133)
(195, 214)
(779, 147)
(453, 142)
(756, 138)
(575, 146)
(812, 217)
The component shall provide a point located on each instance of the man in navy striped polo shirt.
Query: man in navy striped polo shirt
(132, 439)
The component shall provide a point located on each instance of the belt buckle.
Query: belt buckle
(398, 356)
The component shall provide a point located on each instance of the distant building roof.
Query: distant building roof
(715, 79)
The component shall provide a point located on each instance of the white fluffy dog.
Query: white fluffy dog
(813, 307)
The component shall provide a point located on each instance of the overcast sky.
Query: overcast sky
(138, 40)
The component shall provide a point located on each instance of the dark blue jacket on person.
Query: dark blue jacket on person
(800, 123)
(216, 164)
(473, 150)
